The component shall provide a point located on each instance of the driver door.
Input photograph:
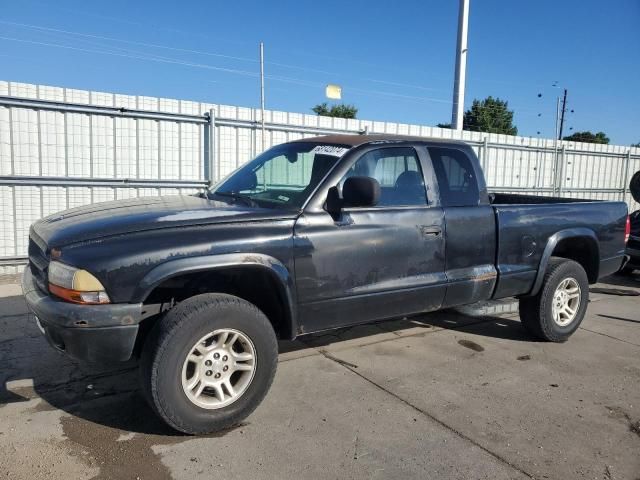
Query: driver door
(375, 262)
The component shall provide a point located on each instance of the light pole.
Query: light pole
(461, 66)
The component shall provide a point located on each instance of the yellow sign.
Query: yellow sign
(334, 92)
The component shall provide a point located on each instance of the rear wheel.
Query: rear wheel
(208, 363)
(560, 305)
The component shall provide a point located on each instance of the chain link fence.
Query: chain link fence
(61, 148)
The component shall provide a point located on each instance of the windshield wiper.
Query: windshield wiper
(246, 199)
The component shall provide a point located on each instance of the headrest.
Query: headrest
(409, 178)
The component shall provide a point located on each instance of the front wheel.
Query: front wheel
(208, 363)
(560, 305)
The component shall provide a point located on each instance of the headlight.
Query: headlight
(75, 285)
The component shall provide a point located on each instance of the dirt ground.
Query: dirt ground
(443, 395)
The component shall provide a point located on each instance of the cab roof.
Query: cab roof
(357, 140)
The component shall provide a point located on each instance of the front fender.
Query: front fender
(181, 266)
(552, 243)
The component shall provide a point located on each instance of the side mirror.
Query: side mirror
(360, 192)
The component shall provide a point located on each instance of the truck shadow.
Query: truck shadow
(43, 379)
(631, 280)
(487, 326)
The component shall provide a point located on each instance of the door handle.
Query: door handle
(430, 230)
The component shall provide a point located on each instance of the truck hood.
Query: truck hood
(105, 219)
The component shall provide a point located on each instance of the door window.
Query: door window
(398, 172)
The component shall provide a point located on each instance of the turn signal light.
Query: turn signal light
(75, 296)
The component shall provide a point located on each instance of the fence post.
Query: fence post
(554, 186)
(625, 176)
(210, 160)
(485, 149)
(561, 162)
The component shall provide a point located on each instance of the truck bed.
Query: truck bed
(527, 224)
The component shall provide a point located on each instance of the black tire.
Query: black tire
(171, 340)
(536, 311)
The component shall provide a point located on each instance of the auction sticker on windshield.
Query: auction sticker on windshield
(330, 150)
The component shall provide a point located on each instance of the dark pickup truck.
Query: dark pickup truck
(314, 234)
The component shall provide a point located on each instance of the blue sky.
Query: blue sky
(394, 59)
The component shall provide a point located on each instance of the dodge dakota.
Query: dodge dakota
(315, 234)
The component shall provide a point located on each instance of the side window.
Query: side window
(456, 178)
(398, 172)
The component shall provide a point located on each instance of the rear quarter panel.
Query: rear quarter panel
(525, 230)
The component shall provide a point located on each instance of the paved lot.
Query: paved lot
(442, 396)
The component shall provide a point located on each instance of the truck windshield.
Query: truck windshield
(282, 177)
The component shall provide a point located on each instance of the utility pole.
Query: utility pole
(461, 66)
(562, 111)
(262, 91)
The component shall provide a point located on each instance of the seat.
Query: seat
(409, 188)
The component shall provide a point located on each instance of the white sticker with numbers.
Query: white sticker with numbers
(329, 150)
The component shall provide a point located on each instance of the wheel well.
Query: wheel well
(255, 285)
(583, 250)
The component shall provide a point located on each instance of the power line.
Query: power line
(132, 56)
(166, 60)
(131, 42)
(406, 85)
(155, 45)
(75, 11)
(239, 58)
(143, 56)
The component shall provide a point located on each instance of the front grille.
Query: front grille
(38, 263)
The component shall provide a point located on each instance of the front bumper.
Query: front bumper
(93, 333)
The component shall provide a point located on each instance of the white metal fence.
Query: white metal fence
(62, 147)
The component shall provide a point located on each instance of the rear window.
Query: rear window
(456, 177)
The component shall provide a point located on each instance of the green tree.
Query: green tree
(490, 115)
(588, 137)
(443, 125)
(636, 144)
(341, 111)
